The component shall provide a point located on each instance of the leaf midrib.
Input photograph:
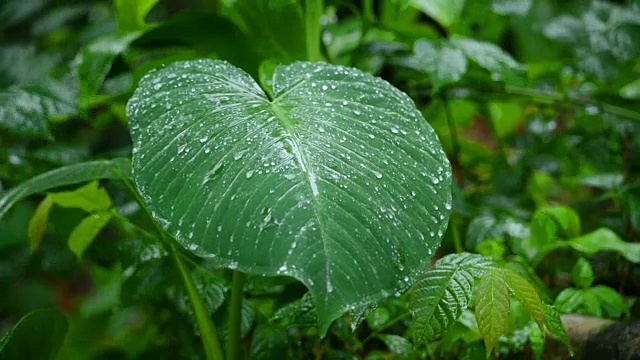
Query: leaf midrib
(310, 176)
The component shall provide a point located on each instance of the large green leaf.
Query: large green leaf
(37, 336)
(443, 293)
(67, 175)
(338, 181)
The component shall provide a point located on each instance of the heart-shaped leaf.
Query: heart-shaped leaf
(337, 181)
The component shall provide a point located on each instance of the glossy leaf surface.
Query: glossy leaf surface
(337, 181)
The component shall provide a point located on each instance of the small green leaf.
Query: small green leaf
(443, 293)
(569, 300)
(67, 175)
(38, 224)
(83, 235)
(269, 342)
(37, 336)
(131, 14)
(511, 7)
(397, 344)
(527, 294)
(489, 56)
(95, 60)
(582, 273)
(492, 307)
(299, 313)
(90, 198)
(554, 325)
(444, 63)
(631, 91)
(446, 12)
(613, 304)
(605, 239)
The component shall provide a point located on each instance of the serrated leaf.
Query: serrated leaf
(269, 342)
(83, 235)
(554, 325)
(90, 198)
(444, 63)
(38, 224)
(66, 175)
(301, 185)
(299, 313)
(443, 293)
(446, 12)
(527, 294)
(26, 109)
(492, 307)
(47, 326)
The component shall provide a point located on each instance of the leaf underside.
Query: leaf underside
(337, 181)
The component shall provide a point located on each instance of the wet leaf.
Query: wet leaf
(443, 293)
(511, 7)
(26, 109)
(446, 12)
(443, 62)
(492, 307)
(338, 181)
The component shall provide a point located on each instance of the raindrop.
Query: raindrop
(394, 130)
(233, 265)
(357, 112)
(240, 154)
(249, 174)
(377, 174)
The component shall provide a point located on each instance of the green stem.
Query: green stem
(501, 148)
(313, 11)
(208, 333)
(235, 316)
(453, 132)
(455, 229)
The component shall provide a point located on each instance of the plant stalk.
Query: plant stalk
(313, 11)
(208, 333)
(235, 316)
